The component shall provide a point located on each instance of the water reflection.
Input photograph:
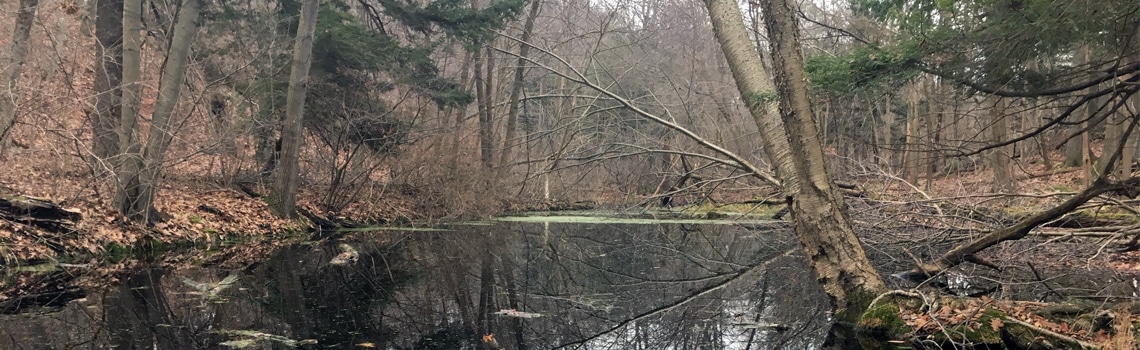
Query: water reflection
(510, 285)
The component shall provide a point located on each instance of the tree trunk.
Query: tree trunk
(835, 254)
(755, 86)
(933, 135)
(833, 250)
(910, 154)
(18, 50)
(288, 174)
(516, 86)
(999, 157)
(484, 320)
(459, 113)
(1077, 147)
(141, 203)
(108, 77)
(1114, 124)
(1042, 140)
(486, 128)
(128, 168)
(886, 147)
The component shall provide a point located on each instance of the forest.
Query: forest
(904, 145)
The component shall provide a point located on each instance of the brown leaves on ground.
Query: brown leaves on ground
(1126, 261)
(950, 312)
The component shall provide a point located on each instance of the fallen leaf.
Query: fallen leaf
(996, 324)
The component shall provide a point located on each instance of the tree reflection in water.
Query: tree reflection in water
(508, 285)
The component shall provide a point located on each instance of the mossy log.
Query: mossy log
(987, 328)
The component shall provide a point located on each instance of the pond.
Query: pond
(522, 284)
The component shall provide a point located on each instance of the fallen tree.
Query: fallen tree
(965, 252)
(38, 212)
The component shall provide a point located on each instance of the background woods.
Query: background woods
(975, 123)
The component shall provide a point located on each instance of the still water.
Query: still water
(509, 285)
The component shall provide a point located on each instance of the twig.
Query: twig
(1083, 344)
(1042, 280)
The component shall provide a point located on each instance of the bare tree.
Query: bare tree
(822, 225)
(18, 49)
(285, 188)
(108, 77)
(132, 162)
(517, 84)
(140, 188)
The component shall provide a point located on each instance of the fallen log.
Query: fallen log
(38, 212)
(1022, 228)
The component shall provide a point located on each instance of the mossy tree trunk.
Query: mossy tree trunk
(822, 225)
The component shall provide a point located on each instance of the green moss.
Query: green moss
(195, 219)
(1026, 337)
(881, 319)
(754, 99)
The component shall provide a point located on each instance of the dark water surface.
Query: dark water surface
(517, 285)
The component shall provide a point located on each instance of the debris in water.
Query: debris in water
(347, 255)
(517, 313)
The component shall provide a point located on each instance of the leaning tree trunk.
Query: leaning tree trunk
(835, 254)
(822, 225)
(18, 50)
(516, 86)
(141, 204)
(754, 84)
(285, 188)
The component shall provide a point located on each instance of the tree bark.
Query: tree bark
(824, 231)
(127, 168)
(1112, 137)
(886, 147)
(141, 203)
(933, 135)
(910, 154)
(11, 79)
(288, 174)
(516, 86)
(108, 77)
(822, 225)
(486, 128)
(999, 157)
(755, 86)
(459, 113)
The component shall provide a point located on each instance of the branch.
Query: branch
(660, 309)
(580, 78)
(1109, 75)
(960, 253)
